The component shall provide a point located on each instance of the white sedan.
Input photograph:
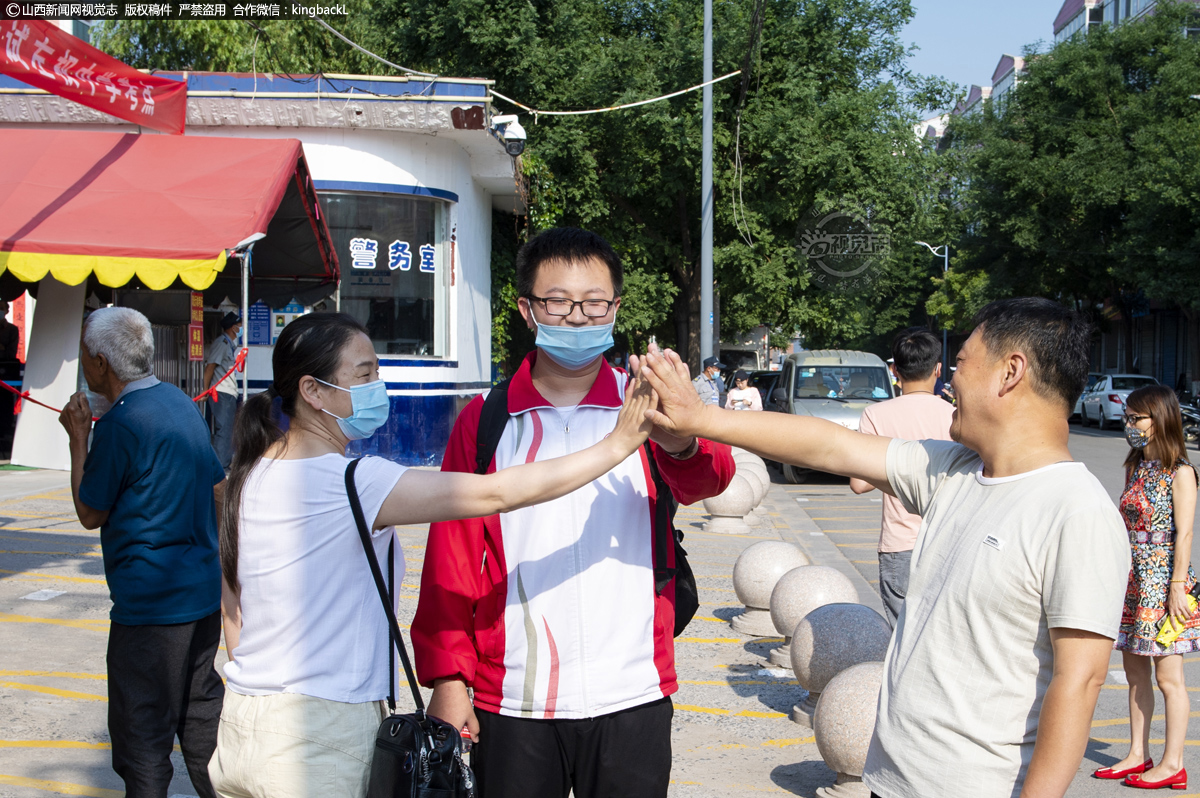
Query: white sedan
(1104, 402)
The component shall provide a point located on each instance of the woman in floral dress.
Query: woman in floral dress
(1158, 506)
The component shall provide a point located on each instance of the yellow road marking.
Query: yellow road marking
(732, 682)
(34, 688)
(1152, 742)
(790, 741)
(96, 624)
(1126, 687)
(51, 578)
(745, 713)
(707, 618)
(1121, 721)
(42, 539)
(710, 640)
(61, 787)
(54, 744)
(53, 553)
(57, 675)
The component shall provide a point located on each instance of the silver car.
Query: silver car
(1092, 377)
(1104, 402)
(833, 384)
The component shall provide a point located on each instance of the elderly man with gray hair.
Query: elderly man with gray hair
(148, 483)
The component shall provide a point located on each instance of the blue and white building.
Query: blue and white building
(409, 175)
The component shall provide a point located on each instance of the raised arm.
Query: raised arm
(426, 496)
(808, 442)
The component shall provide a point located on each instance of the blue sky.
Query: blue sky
(962, 40)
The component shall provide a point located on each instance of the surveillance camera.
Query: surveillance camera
(508, 130)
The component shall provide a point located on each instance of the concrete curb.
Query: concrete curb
(802, 531)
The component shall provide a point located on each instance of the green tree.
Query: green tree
(820, 119)
(1084, 187)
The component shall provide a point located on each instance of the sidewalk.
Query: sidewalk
(731, 731)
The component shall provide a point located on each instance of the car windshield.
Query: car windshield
(1132, 383)
(842, 382)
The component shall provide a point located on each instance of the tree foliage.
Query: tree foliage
(821, 118)
(1085, 186)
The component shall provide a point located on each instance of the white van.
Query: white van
(833, 384)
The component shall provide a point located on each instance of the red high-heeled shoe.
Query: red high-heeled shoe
(1109, 773)
(1176, 782)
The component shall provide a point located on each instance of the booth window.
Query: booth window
(391, 249)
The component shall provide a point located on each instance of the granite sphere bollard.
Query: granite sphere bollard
(829, 640)
(752, 464)
(755, 573)
(845, 720)
(799, 592)
(753, 518)
(728, 509)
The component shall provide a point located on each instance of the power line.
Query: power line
(537, 112)
(364, 50)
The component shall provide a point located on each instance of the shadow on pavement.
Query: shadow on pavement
(803, 778)
(47, 551)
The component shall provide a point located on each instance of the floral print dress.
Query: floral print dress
(1148, 510)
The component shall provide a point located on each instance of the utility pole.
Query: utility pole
(945, 248)
(706, 198)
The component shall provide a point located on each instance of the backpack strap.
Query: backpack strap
(492, 421)
(664, 524)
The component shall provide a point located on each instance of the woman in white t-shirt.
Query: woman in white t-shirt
(743, 397)
(306, 635)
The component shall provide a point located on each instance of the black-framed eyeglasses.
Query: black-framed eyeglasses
(1130, 419)
(561, 306)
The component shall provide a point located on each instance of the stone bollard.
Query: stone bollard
(845, 719)
(829, 640)
(799, 592)
(755, 573)
(752, 464)
(728, 509)
(753, 518)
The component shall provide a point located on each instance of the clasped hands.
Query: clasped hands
(677, 414)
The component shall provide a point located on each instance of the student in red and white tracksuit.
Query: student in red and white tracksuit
(549, 612)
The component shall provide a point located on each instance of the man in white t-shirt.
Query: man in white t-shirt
(1018, 573)
(918, 415)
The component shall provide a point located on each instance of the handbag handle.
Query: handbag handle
(365, 536)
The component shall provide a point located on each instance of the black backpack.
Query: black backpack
(492, 420)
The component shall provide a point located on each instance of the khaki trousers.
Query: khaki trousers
(294, 746)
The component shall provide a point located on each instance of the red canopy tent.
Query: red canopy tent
(159, 209)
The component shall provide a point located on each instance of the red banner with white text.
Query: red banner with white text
(46, 57)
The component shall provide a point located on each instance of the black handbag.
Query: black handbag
(416, 756)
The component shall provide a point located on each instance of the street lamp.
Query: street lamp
(945, 253)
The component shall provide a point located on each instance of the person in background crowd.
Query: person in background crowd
(708, 383)
(551, 613)
(743, 397)
(1158, 505)
(148, 483)
(220, 358)
(10, 371)
(307, 636)
(917, 415)
(1003, 642)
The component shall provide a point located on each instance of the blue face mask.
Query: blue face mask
(574, 347)
(369, 409)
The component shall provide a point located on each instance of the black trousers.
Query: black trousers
(162, 683)
(623, 755)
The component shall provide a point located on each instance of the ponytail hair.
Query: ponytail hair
(310, 346)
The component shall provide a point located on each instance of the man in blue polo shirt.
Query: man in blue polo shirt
(148, 483)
